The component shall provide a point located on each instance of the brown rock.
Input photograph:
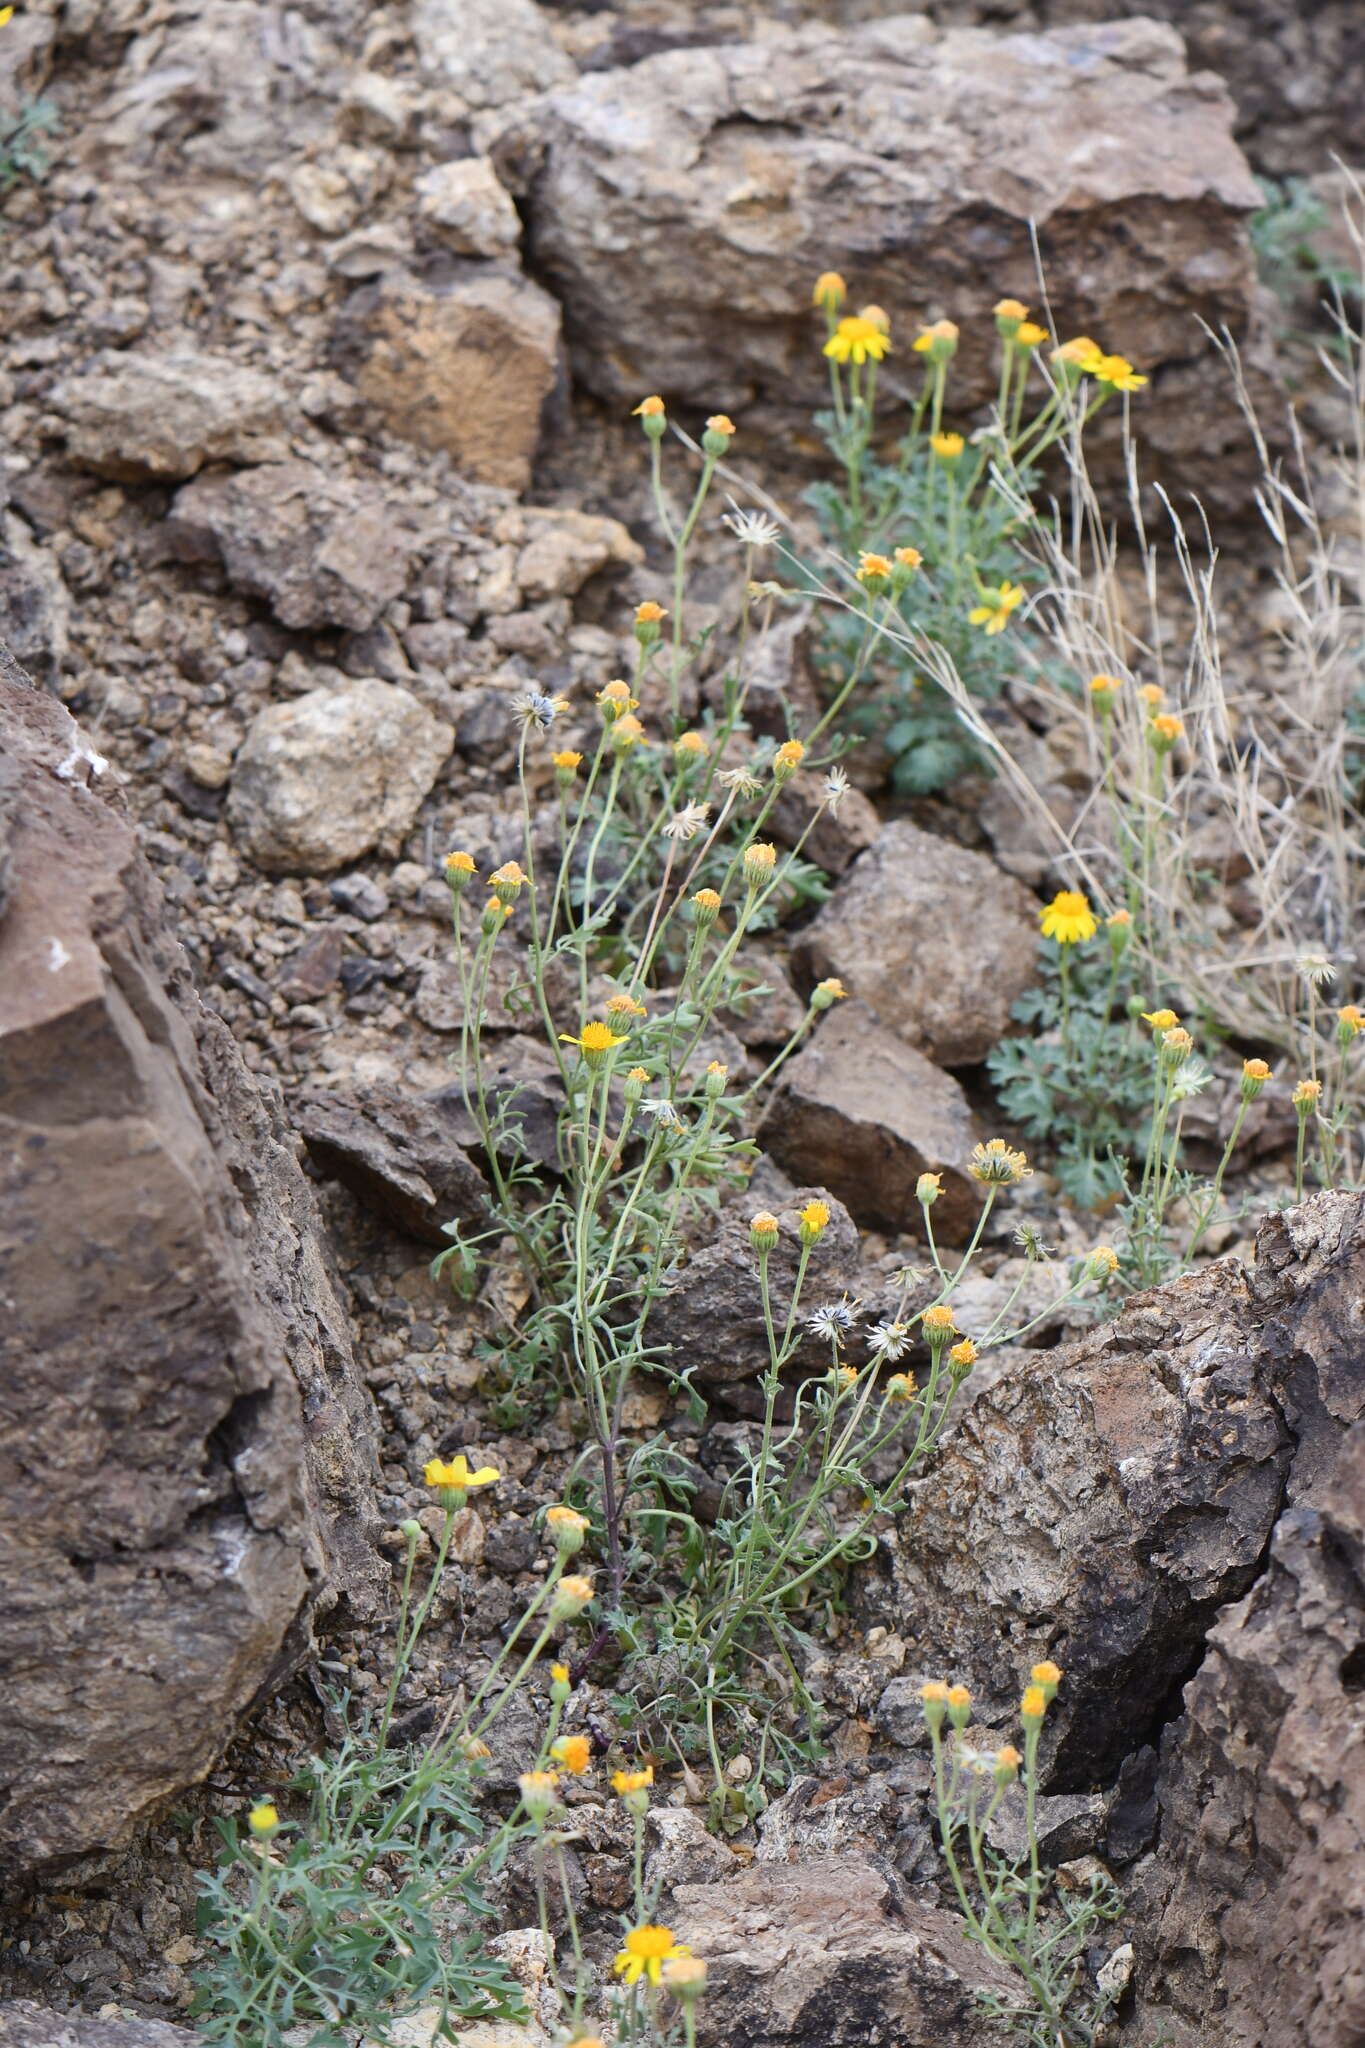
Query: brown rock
(933, 938)
(465, 204)
(164, 414)
(833, 839)
(681, 208)
(322, 549)
(184, 1444)
(312, 968)
(866, 1115)
(564, 547)
(466, 368)
(711, 1313)
(832, 1954)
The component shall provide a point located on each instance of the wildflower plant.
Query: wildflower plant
(938, 544)
(1015, 1910)
(702, 1619)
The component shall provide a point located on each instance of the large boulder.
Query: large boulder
(935, 940)
(1100, 1503)
(681, 208)
(183, 1439)
(1260, 1795)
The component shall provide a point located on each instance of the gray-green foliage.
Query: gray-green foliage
(22, 154)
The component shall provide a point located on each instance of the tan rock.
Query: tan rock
(933, 938)
(323, 778)
(466, 369)
(469, 208)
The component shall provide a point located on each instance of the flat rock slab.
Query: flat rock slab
(26, 2025)
(866, 1114)
(154, 414)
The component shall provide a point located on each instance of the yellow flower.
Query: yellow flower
(574, 1752)
(938, 340)
(1255, 1074)
(539, 1792)
(938, 1320)
(707, 903)
(1105, 688)
(646, 1951)
(763, 1230)
(935, 1692)
(587, 2041)
(901, 1387)
(947, 446)
(994, 612)
(928, 1188)
(831, 990)
(959, 1700)
(1166, 730)
(1120, 920)
(1104, 1259)
(1176, 1045)
(1305, 1095)
(1009, 309)
(598, 1038)
(814, 1220)
(876, 316)
(624, 1782)
(1047, 1673)
(6, 16)
(720, 423)
(1118, 373)
(830, 291)
(788, 758)
(567, 1527)
(1007, 1762)
(760, 858)
(568, 761)
(559, 1674)
(627, 731)
(855, 340)
(872, 567)
(1069, 919)
(625, 1006)
(1081, 353)
(1160, 1020)
(685, 1977)
(908, 558)
(995, 1164)
(616, 700)
(460, 863)
(691, 743)
(847, 1376)
(650, 408)
(1033, 1705)
(1350, 1021)
(649, 613)
(263, 1819)
(508, 881)
(456, 1476)
(571, 1596)
(964, 1354)
(1029, 335)
(1151, 693)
